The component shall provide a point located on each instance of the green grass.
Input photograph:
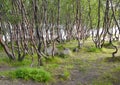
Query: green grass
(66, 74)
(102, 83)
(56, 59)
(116, 69)
(26, 62)
(71, 45)
(107, 78)
(110, 76)
(93, 49)
(27, 73)
(4, 61)
(1, 48)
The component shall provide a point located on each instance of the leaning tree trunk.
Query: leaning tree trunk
(9, 54)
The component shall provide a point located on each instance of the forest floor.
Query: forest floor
(82, 68)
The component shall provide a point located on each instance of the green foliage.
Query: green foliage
(27, 73)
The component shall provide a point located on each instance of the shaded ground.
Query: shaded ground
(86, 71)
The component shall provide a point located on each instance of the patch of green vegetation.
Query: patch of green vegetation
(56, 60)
(89, 58)
(93, 49)
(117, 69)
(62, 55)
(1, 48)
(107, 78)
(111, 77)
(25, 62)
(107, 50)
(118, 43)
(108, 45)
(99, 82)
(69, 66)
(4, 60)
(83, 66)
(27, 73)
(71, 45)
(51, 66)
(65, 75)
(111, 59)
(60, 47)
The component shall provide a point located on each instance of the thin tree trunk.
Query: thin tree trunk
(37, 31)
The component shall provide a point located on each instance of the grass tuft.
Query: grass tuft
(28, 73)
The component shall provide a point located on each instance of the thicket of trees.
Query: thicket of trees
(30, 26)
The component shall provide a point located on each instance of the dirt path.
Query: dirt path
(88, 69)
